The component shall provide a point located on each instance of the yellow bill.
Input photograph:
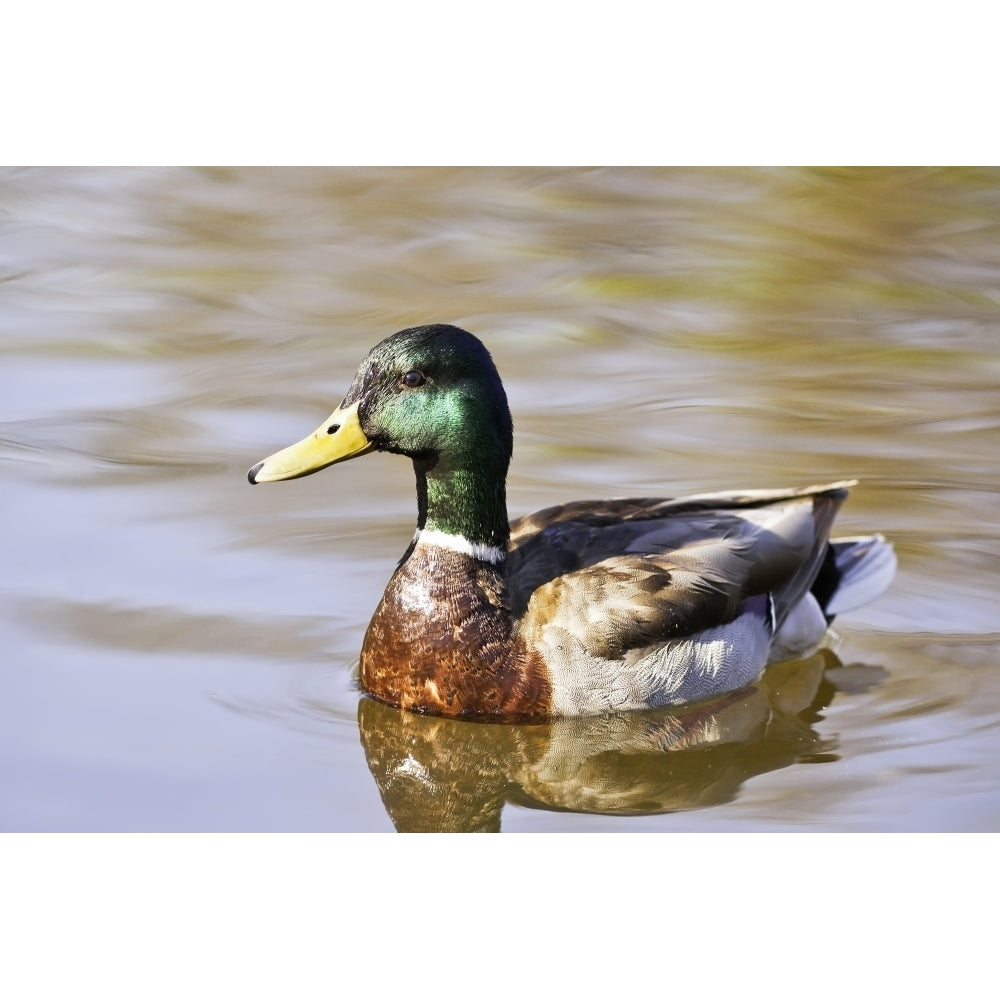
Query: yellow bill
(337, 439)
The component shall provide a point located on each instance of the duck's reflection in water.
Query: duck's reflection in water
(438, 774)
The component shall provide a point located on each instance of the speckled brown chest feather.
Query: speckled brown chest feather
(441, 641)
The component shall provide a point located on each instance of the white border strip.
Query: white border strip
(458, 543)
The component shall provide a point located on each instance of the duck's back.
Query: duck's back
(633, 603)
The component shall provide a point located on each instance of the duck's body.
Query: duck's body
(581, 609)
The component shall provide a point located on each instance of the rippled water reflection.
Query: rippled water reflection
(179, 647)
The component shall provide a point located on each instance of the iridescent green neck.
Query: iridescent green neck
(469, 502)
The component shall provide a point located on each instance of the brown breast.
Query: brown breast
(441, 642)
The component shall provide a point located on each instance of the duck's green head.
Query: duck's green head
(430, 392)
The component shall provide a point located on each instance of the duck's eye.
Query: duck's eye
(413, 380)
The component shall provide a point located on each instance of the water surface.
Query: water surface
(179, 647)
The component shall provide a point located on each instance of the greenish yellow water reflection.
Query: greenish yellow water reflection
(438, 774)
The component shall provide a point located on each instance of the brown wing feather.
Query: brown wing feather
(622, 575)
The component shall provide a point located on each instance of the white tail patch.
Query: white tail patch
(867, 566)
(800, 632)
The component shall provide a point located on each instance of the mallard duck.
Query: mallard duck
(581, 609)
